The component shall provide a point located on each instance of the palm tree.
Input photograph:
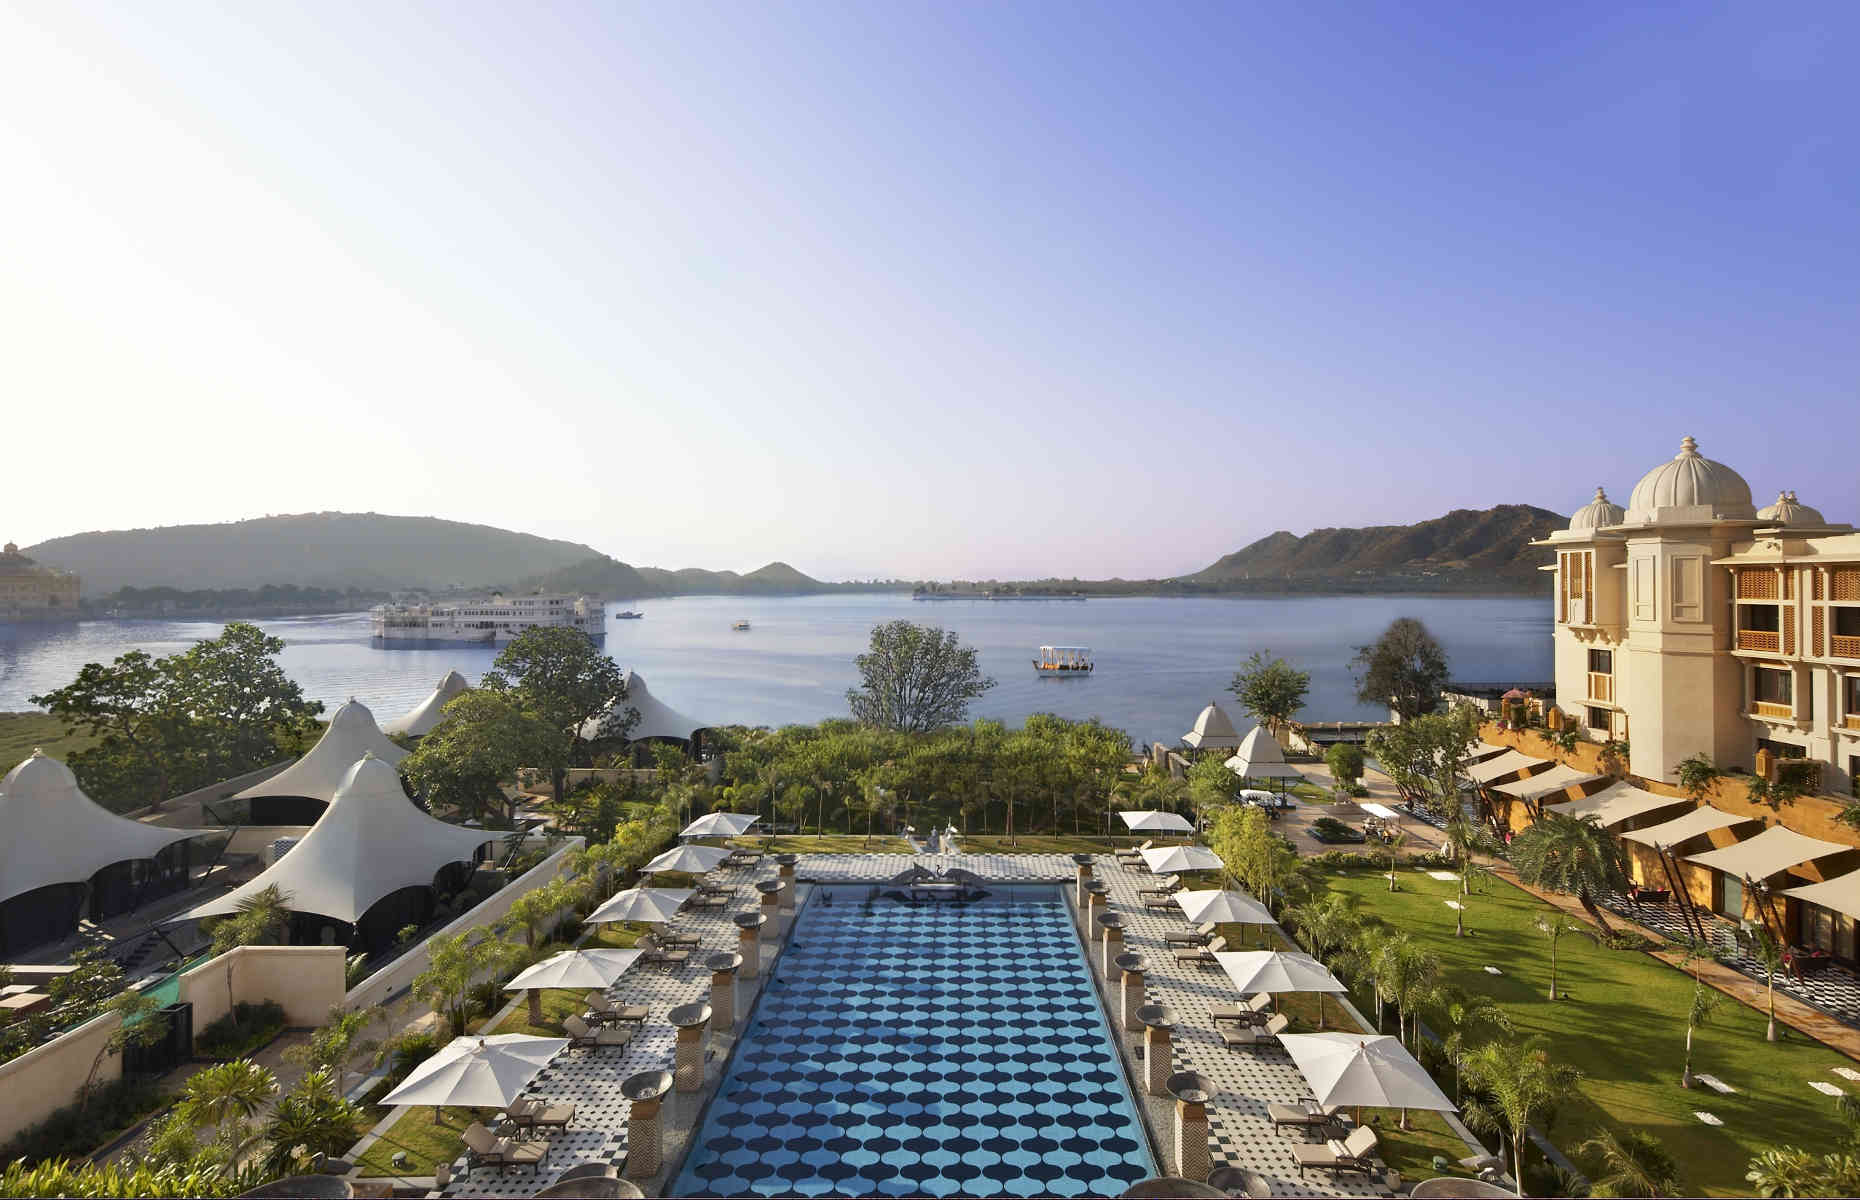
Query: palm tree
(226, 1096)
(1633, 1163)
(1466, 1012)
(339, 1041)
(1395, 842)
(1770, 952)
(1576, 858)
(314, 1117)
(1704, 1001)
(1554, 926)
(1410, 976)
(1523, 1083)
(1325, 926)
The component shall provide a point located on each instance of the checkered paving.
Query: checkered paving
(1833, 989)
(1241, 1133)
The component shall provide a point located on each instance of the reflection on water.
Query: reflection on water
(1158, 659)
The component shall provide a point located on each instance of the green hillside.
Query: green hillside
(370, 551)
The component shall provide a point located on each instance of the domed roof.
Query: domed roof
(1597, 513)
(1789, 511)
(1691, 480)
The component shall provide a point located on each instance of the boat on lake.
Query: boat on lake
(628, 616)
(740, 626)
(1063, 661)
(491, 622)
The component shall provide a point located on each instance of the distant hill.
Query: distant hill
(615, 580)
(369, 551)
(1467, 547)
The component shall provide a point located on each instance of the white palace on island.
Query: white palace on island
(1692, 621)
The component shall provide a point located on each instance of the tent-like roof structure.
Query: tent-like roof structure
(1509, 763)
(1485, 750)
(1774, 850)
(352, 733)
(371, 841)
(51, 832)
(1259, 757)
(1618, 803)
(1556, 779)
(1212, 731)
(1842, 893)
(1703, 819)
(422, 717)
(656, 718)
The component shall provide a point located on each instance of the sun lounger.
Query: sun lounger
(582, 1036)
(1198, 936)
(653, 952)
(1248, 1012)
(674, 940)
(602, 1011)
(1201, 955)
(710, 900)
(1351, 1154)
(1247, 1038)
(1161, 903)
(1133, 853)
(1305, 1116)
(485, 1149)
(1167, 885)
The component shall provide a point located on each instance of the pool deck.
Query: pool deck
(1239, 1130)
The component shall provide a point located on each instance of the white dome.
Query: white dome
(1691, 480)
(1597, 513)
(1789, 511)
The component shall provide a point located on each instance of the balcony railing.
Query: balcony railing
(1760, 639)
(1844, 647)
(1763, 708)
(1601, 687)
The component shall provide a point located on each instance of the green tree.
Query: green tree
(1576, 858)
(1405, 668)
(312, 1118)
(1555, 926)
(1466, 1014)
(339, 1041)
(1704, 1002)
(455, 963)
(1697, 774)
(915, 678)
(1345, 762)
(262, 919)
(1210, 783)
(561, 677)
(142, 1025)
(1326, 927)
(462, 765)
(226, 1097)
(1632, 1163)
(1769, 951)
(1272, 691)
(1524, 1084)
(1792, 1171)
(1409, 975)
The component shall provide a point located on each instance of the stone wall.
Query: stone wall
(46, 1078)
(306, 980)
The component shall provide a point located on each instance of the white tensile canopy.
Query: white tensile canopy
(1212, 731)
(51, 832)
(477, 1072)
(1164, 859)
(370, 842)
(1152, 821)
(656, 718)
(1254, 971)
(575, 969)
(720, 824)
(1363, 1070)
(1485, 750)
(1703, 819)
(1259, 757)
(1230, 907)
(1617, 804)
(1842, 893)
(646, 905)
(1509, 763)
(688, 856)
(1556, 779)
(1774, 850)
(422, 717)
(352, 733)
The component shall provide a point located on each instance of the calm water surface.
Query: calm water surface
(1159, 659)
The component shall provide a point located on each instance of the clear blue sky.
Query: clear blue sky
(920, 288)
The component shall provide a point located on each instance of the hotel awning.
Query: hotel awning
(1556, 779)
(1485, 750)
(1618, 803)
(1775, 849)
(1508, 763)
(1703, 819)
(1842, 894)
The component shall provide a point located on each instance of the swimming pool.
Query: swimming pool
(924, 1050)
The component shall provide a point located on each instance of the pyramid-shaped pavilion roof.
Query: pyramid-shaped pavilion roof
(1213, 730)
(352, 733)
(422, 717)
(656, 718)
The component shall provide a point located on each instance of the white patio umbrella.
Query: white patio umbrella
(1152, 821)
(687, 857)
(577, 969)
(720, 824)
(1223, 908)
(477, 1072)
(1275, 971)
(1363, 1070)
(1164, 859)
(647, 904)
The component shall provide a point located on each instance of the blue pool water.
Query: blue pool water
(925, 1050)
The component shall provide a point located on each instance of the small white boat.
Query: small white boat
(1062, 661)
(740, 626)
(628, 616)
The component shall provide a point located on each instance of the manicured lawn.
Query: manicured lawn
(831, 843)
(1623, 1024)
(1041, 843)
(557, 1003)
(22, 733)
(426, 1144)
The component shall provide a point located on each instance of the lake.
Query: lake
(1159, 659)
